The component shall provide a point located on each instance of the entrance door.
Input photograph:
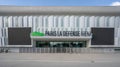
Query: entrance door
(60, 47)
(42, 44)
(61, 44)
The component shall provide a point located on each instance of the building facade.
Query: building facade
(86, 27)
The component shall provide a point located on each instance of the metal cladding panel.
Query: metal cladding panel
(102, 36)
(19, 36)
(59, 10)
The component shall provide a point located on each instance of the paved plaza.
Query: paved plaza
(59, 60)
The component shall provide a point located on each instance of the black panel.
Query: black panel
(19, 36)
(102, 36)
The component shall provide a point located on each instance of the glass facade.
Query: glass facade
(60, 44)
(58, 23)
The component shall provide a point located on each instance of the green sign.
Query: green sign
(37, 34)
(62, 33)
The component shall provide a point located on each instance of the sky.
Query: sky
(61, 2)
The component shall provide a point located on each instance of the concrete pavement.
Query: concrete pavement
(58, 60)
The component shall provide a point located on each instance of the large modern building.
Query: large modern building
(32, 28)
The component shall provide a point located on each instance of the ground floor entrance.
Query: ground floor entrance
(61, 44)
(60, 47)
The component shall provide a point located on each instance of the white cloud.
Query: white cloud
(115, 4)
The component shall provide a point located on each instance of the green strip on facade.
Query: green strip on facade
(37, 34)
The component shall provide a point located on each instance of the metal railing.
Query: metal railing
(65, 50)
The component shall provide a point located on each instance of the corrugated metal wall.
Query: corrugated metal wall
(59, 22)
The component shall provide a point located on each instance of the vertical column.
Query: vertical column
(40, 21)
(102, 21)
(92, 21)
(30, 21)
(6, 37)
(66, 21)
(3, 41)
(82, 21)
(116, 37)
(1, 22)
(50, 21)
(117, 22)
(45, 23)
(25, 21)
(72, 21)
(35, 23)
(20, 21)
(15, 22)
(107, 21)
(86, 21)
(76, 23)
(111, 21)
(1, 26)
(5, 21)
(10, 24)
(60, 19)
(55, 23)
